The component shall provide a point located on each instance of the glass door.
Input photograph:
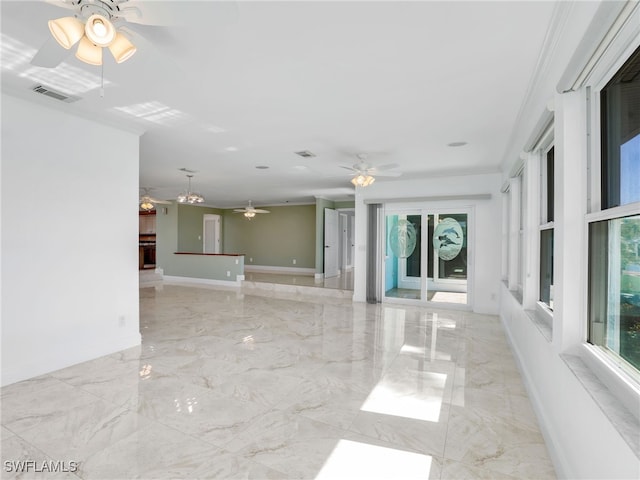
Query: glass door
(426, 256)
(403, 255)
(447, 281)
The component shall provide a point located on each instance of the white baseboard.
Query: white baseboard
(547, 428)
(173, 280)
(270, 269)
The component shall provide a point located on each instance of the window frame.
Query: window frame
(612, 371)
(546, 146)
(515, 259)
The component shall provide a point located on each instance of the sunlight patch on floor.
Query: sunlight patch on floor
(353, 460)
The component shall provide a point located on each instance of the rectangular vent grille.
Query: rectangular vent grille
(49, 92)
(305, 154)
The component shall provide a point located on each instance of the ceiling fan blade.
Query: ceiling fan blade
(50, 55)
(162, 202)
(348, 168)
(388, 166)
(159, 36)
(173, 14)
(257, 210)
(62, 4)
(240, 210)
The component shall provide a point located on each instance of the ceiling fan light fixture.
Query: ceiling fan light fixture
(100, 31)
(121, 48)
(249, 215)
(67, 31)
(361, 180)
(88, 52)
(146, 206)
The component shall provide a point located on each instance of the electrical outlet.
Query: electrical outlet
(237, 261)
(251, 259)
(294, 261)
(228, 273)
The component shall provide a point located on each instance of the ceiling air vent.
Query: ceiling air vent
(305, 154)
(49, 92)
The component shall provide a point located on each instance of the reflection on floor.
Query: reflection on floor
(341, 282)
(232, 385)
(432, 296)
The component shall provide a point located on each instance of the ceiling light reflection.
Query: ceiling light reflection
(351, 459)
(145, 371)
(155, 112)
(66, 78)
(14, 54)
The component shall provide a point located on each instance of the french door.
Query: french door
(427, 255)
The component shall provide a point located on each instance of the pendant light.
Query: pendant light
(189, 196)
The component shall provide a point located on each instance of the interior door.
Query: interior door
(211, 234)
(331, 242)
(343, 242)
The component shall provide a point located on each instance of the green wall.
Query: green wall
(190, 220)
(166, 237)
(347, 204)
(321, 204)
(273, 239)
(175, 232)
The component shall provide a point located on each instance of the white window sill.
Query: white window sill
(542, 318)
(617, 397)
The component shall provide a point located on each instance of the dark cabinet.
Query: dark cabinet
(147, 241)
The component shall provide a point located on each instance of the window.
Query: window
(515, 231)
(614, 287)
(614, 233)
(545, 294)
(620, 107)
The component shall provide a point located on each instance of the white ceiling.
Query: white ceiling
(396, 80)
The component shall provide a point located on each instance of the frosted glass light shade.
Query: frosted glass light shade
(100, 31)
(67, 31)
(249, 215)
(121, 48)
(362, 180)
(88, 52)
(146, 206)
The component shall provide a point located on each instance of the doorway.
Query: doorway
(426, 256)
(211, 234)
(331, 243)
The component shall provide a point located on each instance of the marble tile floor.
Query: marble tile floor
(341, 282)
(231, 385)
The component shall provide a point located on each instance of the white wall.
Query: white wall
(581, 437)
(69, 240)
(486, 229)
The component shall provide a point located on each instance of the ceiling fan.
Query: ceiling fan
(365, 173)
(95, 25)
(147, 202)
(250, 211)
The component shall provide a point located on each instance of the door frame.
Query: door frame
(426, 243)
(331, 241)
(217, 229)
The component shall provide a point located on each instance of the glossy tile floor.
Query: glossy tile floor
(230, 385)
(341, 282)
